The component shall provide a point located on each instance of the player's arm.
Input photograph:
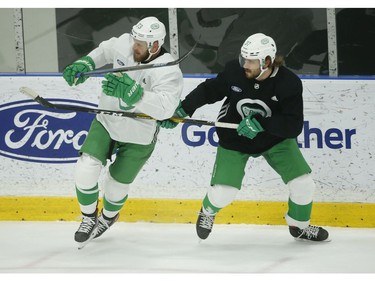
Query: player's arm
(95, 59)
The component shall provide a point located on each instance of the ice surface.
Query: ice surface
(48, 247)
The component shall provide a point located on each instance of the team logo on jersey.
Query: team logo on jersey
(236, 89)
(120, 62)
(256, 86)
(245, 107)
(36, 134)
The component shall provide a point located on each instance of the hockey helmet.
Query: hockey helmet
(149, 29)
(258, 46)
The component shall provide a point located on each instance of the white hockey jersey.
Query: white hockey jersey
(162, 92)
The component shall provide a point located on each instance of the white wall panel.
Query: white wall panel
(337, 142)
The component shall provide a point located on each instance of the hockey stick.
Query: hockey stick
(137, 67)
(32, 94)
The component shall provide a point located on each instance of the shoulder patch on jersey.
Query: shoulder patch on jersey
(236, 89)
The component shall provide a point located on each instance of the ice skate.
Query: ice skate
(204, 224)
(310, 233)
(104, 224)
(87, 229)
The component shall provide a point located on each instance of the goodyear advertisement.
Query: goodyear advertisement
(39, 146)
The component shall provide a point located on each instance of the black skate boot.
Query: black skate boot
(204, 224)
(104, 223)
(87, 229)
(311, 233)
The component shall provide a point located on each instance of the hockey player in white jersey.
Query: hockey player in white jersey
(155, 92)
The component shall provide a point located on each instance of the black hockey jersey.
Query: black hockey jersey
(276, 103)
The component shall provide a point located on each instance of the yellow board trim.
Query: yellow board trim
(186, 211)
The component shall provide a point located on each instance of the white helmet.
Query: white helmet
(149, 29)
(258, 46)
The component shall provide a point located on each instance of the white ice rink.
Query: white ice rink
(144, 248)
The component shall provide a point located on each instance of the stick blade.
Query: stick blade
(29, 92)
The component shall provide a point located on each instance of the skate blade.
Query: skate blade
(312, 241)
(83, 244)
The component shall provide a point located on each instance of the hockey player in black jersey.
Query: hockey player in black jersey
(265, 99)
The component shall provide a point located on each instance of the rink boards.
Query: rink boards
(38, 149)
(186, 211)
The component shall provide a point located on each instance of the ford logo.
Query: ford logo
(30, 132)
(236, 89)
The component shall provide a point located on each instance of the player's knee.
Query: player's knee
(87, 171)
(302, 189)
(114, 191)
(221, 195)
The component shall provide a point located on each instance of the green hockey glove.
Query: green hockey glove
(123, 87)
(169, 123)
(249, 127)
(83, 64)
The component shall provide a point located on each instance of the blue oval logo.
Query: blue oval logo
(30, 132)
(236, 89)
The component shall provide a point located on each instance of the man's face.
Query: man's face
(140, 51)
(251, 68)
